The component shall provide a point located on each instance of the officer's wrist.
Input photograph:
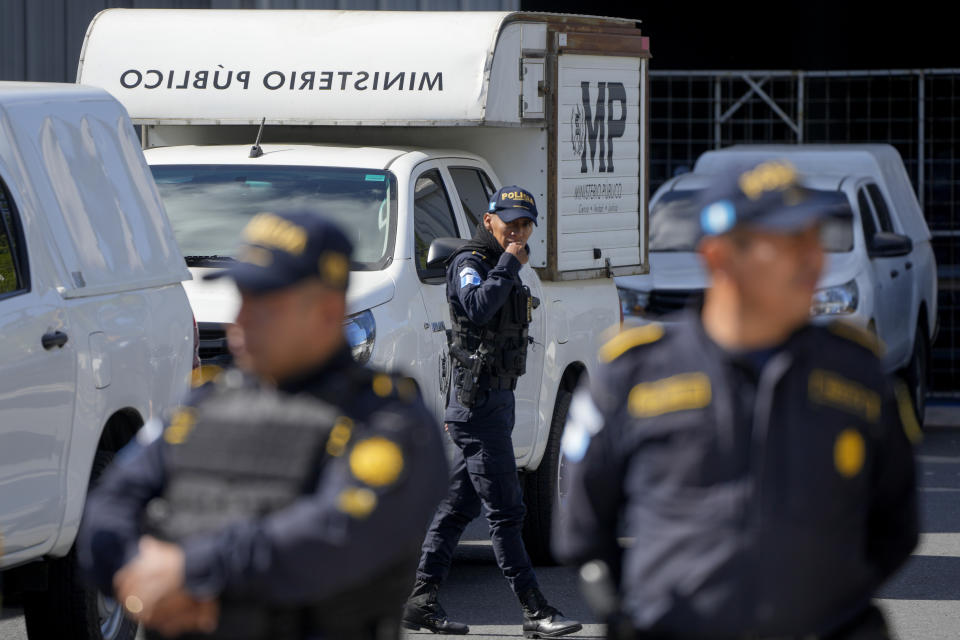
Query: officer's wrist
(202, 575)
(510, 262)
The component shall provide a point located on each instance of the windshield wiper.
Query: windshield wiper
(207, 261)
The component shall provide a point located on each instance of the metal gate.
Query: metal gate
(917, 111)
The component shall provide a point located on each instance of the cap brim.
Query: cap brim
(251, 277)
(515, 213)
(815, 208)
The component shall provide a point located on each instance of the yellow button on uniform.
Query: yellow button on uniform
(849, 453)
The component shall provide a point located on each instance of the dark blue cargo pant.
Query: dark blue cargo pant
(484, 473)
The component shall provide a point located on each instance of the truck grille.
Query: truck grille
(213, 344)
(664, 301)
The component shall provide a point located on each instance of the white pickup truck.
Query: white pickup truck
(880, 272)
(400, 126)
(96, 334)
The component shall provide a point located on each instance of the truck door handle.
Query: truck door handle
(53, 339)
(909, 265)
(894, 273)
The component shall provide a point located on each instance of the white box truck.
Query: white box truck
(400, 126)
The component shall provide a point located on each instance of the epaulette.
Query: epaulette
(908, 417)
(204, 374)
(626, 340)
(866, 339)
(386, 385)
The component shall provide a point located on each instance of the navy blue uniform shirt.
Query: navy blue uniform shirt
(476, 290)
(316, 547)
(766, 496)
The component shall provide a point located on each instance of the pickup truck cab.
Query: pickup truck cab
(880, 272)
(403, 141)
(96, 334)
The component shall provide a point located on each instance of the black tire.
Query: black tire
(70, 608)
(915, 373)
(541, 491)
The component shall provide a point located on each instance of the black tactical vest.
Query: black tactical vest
(504, 339)
(252, 451)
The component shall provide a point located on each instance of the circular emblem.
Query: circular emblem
(718, 217)
(578, 137)
(376, 462)
(849, 452)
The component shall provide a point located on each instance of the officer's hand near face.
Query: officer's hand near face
(518, 251)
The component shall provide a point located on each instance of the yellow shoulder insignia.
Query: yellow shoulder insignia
(339, 436)
(357, 502)
(406, 388)
(204, 374)
(181, 424)
(908, 416)
(382, 385)
(626, 340)
(376, 461)
(866, 339)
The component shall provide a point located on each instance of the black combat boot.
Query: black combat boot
(542, 620)
(423, 610)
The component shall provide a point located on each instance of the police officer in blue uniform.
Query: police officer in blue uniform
(490, 311)
(760, 465)
(259, 511)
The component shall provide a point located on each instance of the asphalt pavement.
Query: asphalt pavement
(922, 601)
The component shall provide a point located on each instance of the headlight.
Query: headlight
(836, 300)
(361, 330)
(633, 302)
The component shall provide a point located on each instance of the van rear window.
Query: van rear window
(209, 205)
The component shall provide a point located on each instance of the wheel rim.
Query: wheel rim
(110, 615)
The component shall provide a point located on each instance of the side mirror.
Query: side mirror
(889, 245)
(440, 250)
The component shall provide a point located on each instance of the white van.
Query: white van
(880, 272)
(400, 126)
(96, 334)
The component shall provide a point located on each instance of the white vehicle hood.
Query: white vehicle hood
(668, 270)
(217, 300)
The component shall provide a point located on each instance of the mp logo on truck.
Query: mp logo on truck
(593, 130)
(600, 148)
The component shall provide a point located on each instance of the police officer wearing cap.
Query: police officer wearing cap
(490, 311)
(261, 509)
(760, 466)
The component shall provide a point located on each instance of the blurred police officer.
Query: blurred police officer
(319, 565)
(760, 465)
(490, 310)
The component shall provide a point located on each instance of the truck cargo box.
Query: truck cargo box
(556, 103)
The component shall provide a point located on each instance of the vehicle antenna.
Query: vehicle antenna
(255, 150)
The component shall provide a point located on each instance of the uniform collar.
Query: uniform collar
(795, 342)
(336, 364)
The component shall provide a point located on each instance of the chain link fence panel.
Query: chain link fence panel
(916, 111)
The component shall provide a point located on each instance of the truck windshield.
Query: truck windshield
(675, 223)
(209, 205)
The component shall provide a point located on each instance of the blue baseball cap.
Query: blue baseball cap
(768, 196)
(283, 249)
(511, 203)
